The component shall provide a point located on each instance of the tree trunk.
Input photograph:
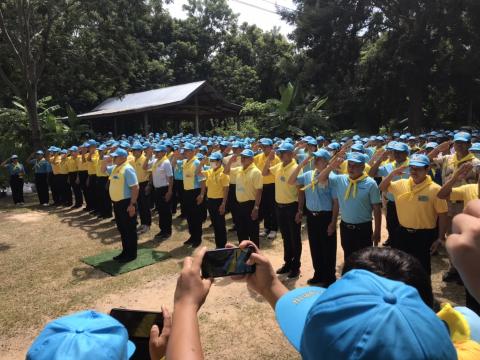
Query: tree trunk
(31, 103)
(415, 113)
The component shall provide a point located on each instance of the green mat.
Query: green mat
(104, 261)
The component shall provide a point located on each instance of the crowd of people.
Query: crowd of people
(422, 181)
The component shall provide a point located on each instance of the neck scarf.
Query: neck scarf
(416, 188)
(158, 163)
(466, 158)
(288, 166)
(353, 183)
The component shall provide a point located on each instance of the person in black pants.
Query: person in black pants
(41, 167)
(103, 197)
(16, 172)
(73, 178)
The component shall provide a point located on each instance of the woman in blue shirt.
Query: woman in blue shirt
(16, 172)
(322, 213)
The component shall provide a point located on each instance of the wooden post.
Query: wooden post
(197, 125)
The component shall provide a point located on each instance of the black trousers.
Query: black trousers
(83, 176)
(193, 213)
(164, 209)
(76, 189)
(92, 203)
(232, 203)
(323, 247)
(53, 188)
(16, 184)
(355, 237)
(103, 197)
(144, 205)
(41, 183)
(471, 303)
(267, 208)
(391, 220)
(291, 234)
(127, 226)
(218, 222)
(177, 196)
(64, 189)
(247, 229)
(416, 243)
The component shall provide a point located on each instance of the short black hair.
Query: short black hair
(395, 265)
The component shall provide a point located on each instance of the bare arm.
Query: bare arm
(446, 189)
(377, 216)
(374, 167)
(323, 177)
(266, 168)
(228, 165)
(388, 179)
(443, 147)
(292, 180)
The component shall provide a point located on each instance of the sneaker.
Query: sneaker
(272, 235)
(283, 270)
(263, 233)
(294, 274)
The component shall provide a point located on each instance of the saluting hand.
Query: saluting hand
(399, 171)
(464, 170)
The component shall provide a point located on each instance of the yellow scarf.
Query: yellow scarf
(289, 165)
(158, 163)
(313, 181)
(353, 183)
(416, 188)
(466, 158)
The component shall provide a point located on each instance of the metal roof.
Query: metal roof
(163, 98)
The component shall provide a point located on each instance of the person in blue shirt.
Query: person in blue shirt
(358, 196)
(16, 171)
(322, 214)
(41, 168)
(177, 164)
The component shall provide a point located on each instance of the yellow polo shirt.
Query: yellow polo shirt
(72, 164)
(418, 206)
(81, 165)
(99, 172)
(284, 193)
(92, 164)
(464, 193)
(216, 181)
(190, 180)
(260, 161)
(55, 161)
(137, 164)
(248, 182)
(63, 167)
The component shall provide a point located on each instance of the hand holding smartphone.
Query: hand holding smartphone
(227, 262)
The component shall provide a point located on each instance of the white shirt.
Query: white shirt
(161, 174)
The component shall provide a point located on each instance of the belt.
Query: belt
(413, 231)
(281, 206)
(355, 226)
(456, 202)
(317, 213)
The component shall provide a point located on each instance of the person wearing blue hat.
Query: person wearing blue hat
(91, 160)
(83, 169)
(54, 159)
(248, 193)
(41, 168)
(216, 185)
(102, 194)
(287, 208)
(322, 213)
(267, 205)
(123, 190)
(232, 203)
(418, 210)
(161, 179)
(358, 196)
(73, 161)
(81, 336)
(16, 172)
(177, 164)
(381, 167)
(140, 163)
(63, 185)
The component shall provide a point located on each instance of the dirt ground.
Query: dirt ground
(41, 278)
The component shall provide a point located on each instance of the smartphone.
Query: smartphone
(138, 324)
(227, 262)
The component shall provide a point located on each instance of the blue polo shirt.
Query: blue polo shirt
(386, 169)
(41, 166)
(359, 209)
(15, 169)
(319, 199)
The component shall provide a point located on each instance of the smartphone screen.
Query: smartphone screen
(226, 262)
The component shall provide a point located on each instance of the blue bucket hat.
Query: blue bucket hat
(119, 152)
(363, 316)
(216, 156)
(322, 153)
(356, 157)
(285, 147)
(419, 160)
(83, 335)
(247, 153)
(462, 137)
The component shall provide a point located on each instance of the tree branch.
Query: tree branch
(9, 38)
(10, 84)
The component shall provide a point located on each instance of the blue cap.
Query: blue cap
(333, 146)
(356, 157)
(102, 147)
(380, 138)
(403, 137)
(39, 152)
(237, 145)
(462, 136)
(419, 160)
(358, 147)
(124, 144)
(188, 146)
(475, 147)
(363, 316)
(390, 145)
(320, 138)
(247, 153)
(412, 138)
(147, 145)
(91, 142)
(200, 156)
(224, 143)
(119, 152)
(322, 153)
(137, 146)
(396, 134)
(401, 146)
(312, 142)
(14, 157)
(356, 137)
(83, 335)
(217, 156)
(63, 151)
(285, 146)
(73, 148)
(160, 148)
(432, 145)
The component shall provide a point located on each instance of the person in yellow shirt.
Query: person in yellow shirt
(140, 164)
(248, 192)
(83, 168)
(216, 184)
(73, 179)
(103, 196)
(287, 208)
(267, 206)
(92, 159)
(52, 156)
(418, 209)
(236, 149)
(66, 193)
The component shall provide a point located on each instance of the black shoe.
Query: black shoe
(387, 243)
(165, 236)
(188, 242)
(451, 276)
(119, 256)
(283, 270)
(195, 245)
(232, 229)
(86, 209)
(294, 274)
(77, 206)
(126, 259)
(316, 282)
